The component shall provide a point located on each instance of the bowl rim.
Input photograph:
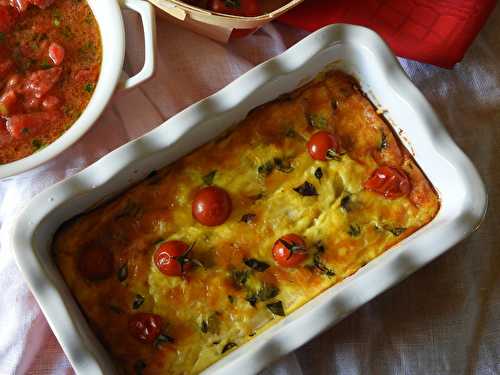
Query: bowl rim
(112, 31)
(453, 223)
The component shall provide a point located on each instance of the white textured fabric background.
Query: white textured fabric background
(445, 319)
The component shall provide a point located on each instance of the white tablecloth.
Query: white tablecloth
(445, 319)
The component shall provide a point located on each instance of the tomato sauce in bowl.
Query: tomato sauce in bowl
(50, 58)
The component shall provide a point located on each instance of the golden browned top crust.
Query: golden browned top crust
(224, 300)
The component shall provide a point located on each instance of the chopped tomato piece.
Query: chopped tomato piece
(390, 182)
(21, 125)
(51, 103)
(40, 82)
(7, 102)
(56, 53)
(20, 5)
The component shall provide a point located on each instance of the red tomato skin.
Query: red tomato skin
(145, 327)
(95, 264)
(20, 126)
(247, 8)
(390, 182)
(211, 206)
(7, 18)
(282, 254)
(320, 143)
(165, 258)
(56, 53)
(38, 83)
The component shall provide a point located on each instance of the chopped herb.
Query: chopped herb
(306, 189)
(2, 37)
(204, 326)
(332, 154)
(345, 203)
(318, 263)
(398, 231)
(293, 247)
(252, 334)
(283, 166)
(139, 367)
(45, 64)
(231, 299)
(252, 299)
(228, 346)
(266, 292)
(276, 308)
(208, 179)
(37, 144)
(212, 324)
(384, 143)
(56, 21)
(335, 104)
(317, 121)
(354, 230)
(163, 339)
(266, 169)
(232, 3)
(89, 87)
(123, 272)
(239, 278)
(290, 133)
(248, 218)
(256, 265)
(318, 173)
(138, 301)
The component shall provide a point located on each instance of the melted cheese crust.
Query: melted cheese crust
(344, 227)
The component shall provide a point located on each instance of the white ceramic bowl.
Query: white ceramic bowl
(357, 51)
(109, 17)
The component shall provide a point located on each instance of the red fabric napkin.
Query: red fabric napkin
(432, 31)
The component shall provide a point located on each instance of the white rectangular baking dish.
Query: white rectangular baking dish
(353, 49)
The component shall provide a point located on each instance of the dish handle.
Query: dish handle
(146, 12)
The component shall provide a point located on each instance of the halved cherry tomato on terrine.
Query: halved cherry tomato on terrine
(95, 263)
(211, 206)
(145, 327)
(323, 146)
(290, 250)
(391, 182)
(172, 258)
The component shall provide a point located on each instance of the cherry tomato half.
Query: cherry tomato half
(145, 327)
(172, 259)
(95, 263)
(321, 144)
(247, 8)
(211, 206)
(290, 250)
(390, 182)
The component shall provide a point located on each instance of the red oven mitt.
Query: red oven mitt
(432, 31)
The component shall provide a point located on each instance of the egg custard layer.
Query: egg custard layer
(365, 197)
